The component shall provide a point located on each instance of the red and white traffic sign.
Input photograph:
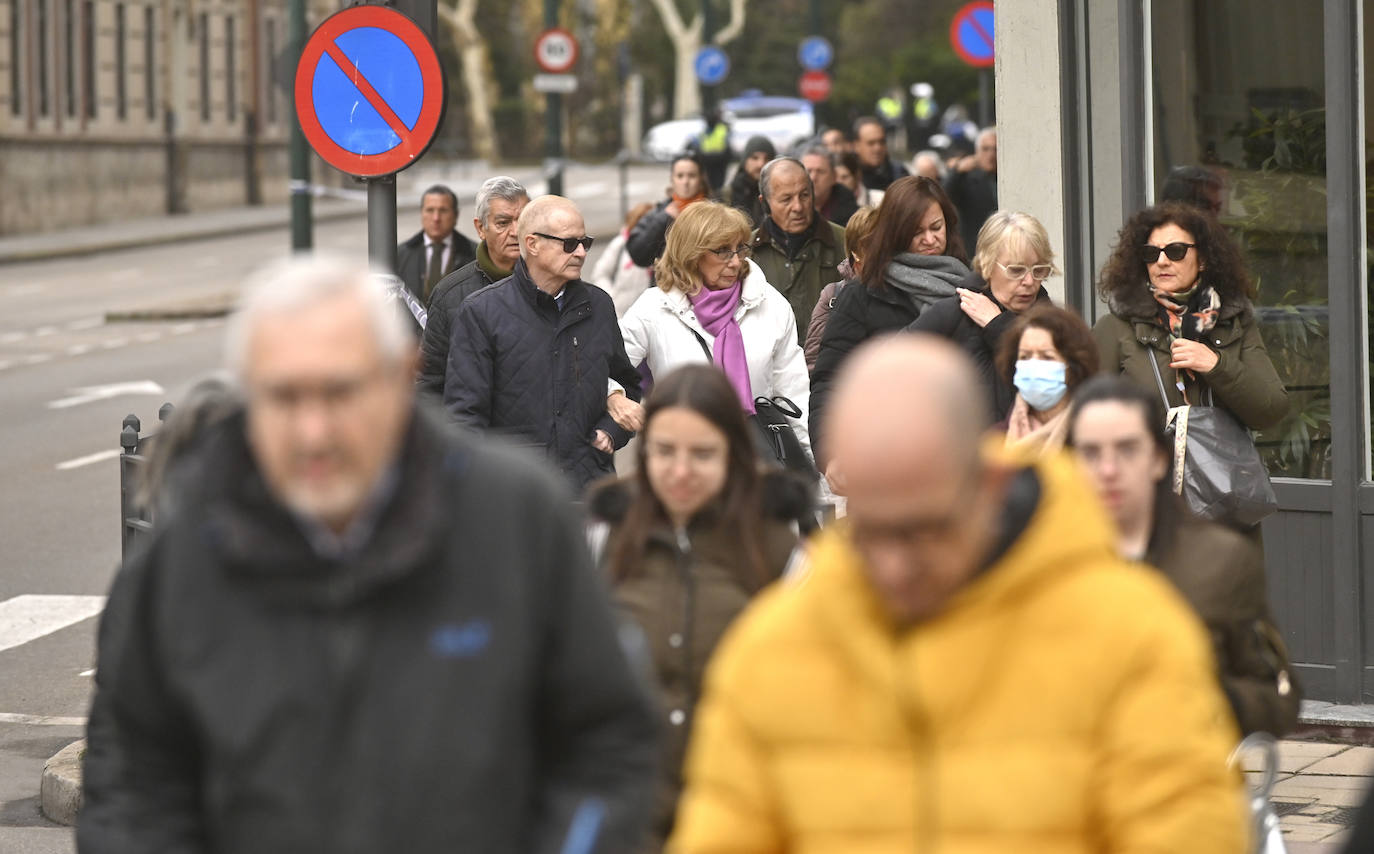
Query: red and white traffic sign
(555, 51)
(369, 91)
(814, 86)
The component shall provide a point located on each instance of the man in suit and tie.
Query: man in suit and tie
(436, 249)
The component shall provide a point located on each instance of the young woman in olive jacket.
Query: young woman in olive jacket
(689, 539)
(1117, 429)
(1179, 297)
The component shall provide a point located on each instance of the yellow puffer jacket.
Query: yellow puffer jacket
(1064, 701)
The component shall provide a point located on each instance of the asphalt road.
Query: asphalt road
(67, 379)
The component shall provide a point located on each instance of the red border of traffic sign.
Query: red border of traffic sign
(966, 11)
(431, 107)
(557, 69)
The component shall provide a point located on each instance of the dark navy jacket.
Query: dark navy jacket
(521, 367)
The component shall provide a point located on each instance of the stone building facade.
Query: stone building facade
(112, 109)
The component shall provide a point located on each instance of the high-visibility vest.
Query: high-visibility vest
(889, 108)
(716, 140)
(924, 109)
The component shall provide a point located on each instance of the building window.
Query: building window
(231, 101)
(204, 67)
(1243, 119)
(150, 62)
(88, 57)
(44, 78)
(120, 71)
(16, 57)
(270, 77)
(69, 56)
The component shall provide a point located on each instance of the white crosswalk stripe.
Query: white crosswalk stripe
(29, 617)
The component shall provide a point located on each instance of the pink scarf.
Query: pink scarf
(716, 312)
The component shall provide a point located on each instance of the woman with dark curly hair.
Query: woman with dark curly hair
(1045, 355)
(1181, 319)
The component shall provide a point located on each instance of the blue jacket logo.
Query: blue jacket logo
(460, 640)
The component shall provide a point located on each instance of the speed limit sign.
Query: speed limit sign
(555, 51)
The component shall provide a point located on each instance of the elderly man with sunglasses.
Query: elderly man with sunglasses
(532, 355)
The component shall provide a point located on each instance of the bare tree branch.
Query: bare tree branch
(733, 29)
(472, 51)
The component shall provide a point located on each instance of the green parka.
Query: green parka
(1243, 381)
(800, 279)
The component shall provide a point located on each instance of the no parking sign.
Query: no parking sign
(369, 91)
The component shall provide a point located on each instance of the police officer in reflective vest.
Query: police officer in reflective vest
(713, 150)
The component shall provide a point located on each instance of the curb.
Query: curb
(59, 795)
(154, 314)
(160, 238)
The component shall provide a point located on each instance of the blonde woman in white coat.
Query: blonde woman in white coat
(711, 299)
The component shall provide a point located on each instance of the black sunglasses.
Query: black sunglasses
(1174, 251)
(570, 244)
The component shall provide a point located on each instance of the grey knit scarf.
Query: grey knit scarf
(925, 278)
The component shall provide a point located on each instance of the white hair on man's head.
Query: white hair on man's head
(501, 187)
(297, 284)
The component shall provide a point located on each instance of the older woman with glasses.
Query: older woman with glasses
(712, 304)
(1012, 258)
(1181, 321)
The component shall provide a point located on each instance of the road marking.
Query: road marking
(97, 457)
(114, 342)
(78, 349)
(85, 323)
(147, 337)
(183, 328)
(40, 720)
(30, 617)
(90, 394)
(125, 275)
(38, 358)
(24, 290)
(44, 331)
(12, 337)
(90, 672)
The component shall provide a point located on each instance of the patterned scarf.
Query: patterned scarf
(1189, 315)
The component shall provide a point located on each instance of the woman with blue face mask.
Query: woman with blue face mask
(1045, 355)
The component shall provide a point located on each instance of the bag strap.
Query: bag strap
(1159, 380)
(1178, 416)
(705, 348)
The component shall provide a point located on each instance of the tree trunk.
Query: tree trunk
(472, 53)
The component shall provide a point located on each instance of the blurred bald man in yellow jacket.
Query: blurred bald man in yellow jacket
(967, 667)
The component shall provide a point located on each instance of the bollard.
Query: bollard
(128, 438)
(164, 412)
(131, 420)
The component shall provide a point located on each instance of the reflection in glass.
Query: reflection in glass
(1240, 129)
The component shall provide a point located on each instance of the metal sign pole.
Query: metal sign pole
(553, 140)
(301, 227)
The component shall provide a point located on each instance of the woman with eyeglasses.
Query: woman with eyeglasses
(1012, 258)
(1181, 320)
(687, 541)
(712, 304)
(913, 257)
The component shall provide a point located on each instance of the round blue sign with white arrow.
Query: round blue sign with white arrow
(815, 53)
(711, 65)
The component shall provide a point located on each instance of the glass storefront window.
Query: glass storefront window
(1239, 113)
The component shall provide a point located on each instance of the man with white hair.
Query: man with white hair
(348, 636)
(500, 201)
(972, 186)
(531, 356)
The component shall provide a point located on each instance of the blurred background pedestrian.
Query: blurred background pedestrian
(856, 233)
(972, 184)
(712, 148)
(616, 272)
(849, 173)
(743, 191)
(688, 186)
(834, 201)
(870, 143)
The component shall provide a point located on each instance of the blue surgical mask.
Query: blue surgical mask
(1041, 382)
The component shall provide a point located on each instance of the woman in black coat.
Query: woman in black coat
(913, 258)
(1012, 258)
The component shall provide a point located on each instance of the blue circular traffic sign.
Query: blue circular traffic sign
(711, 65)
(369, 91)
(815, 53)
(971, 33)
